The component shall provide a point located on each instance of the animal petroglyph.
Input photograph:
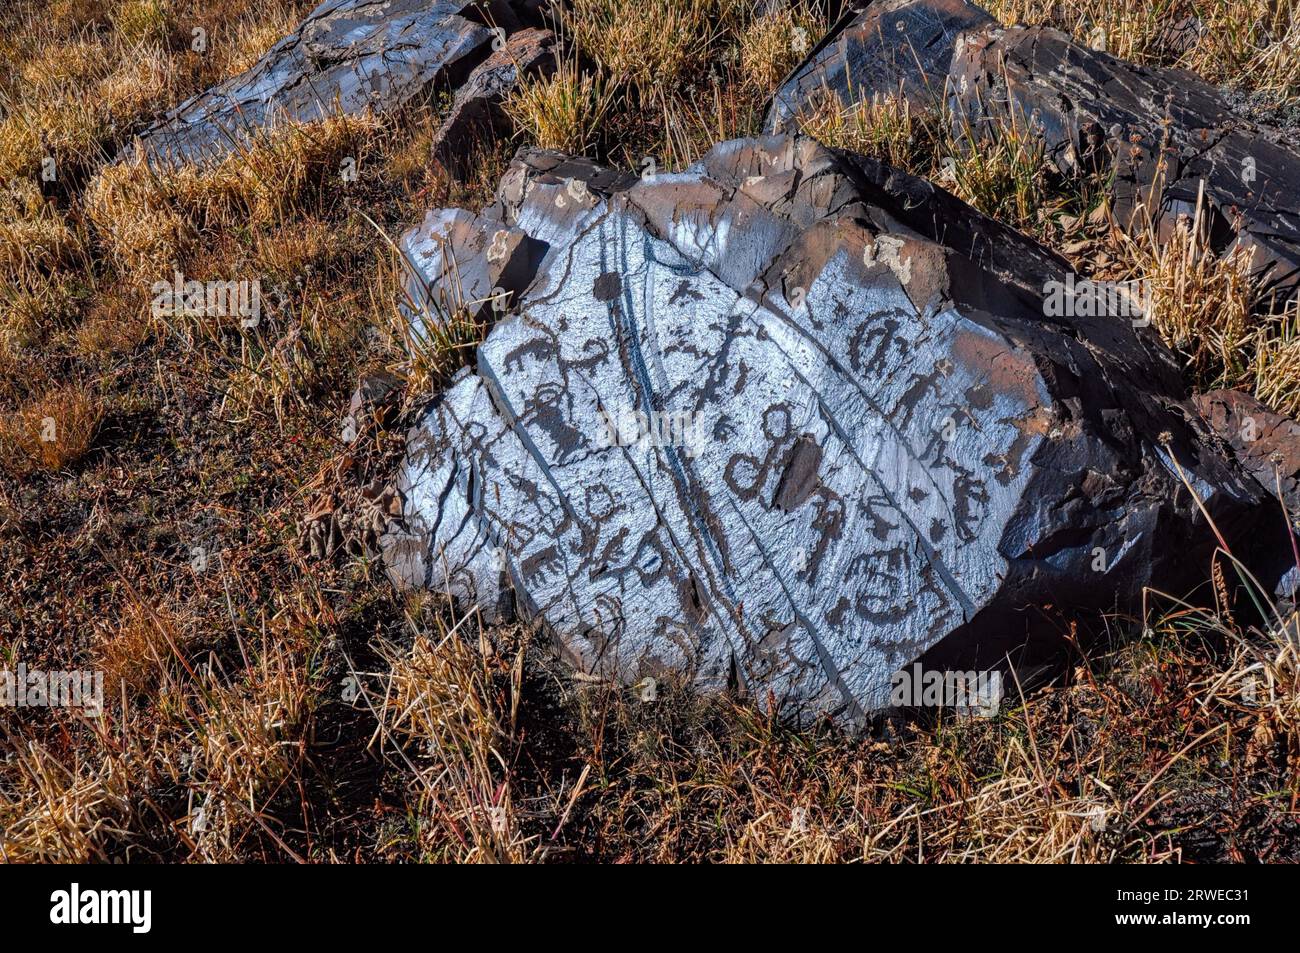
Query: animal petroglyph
(878, 475)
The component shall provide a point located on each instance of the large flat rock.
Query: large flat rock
(867, 443)
(1164, 133)
(347, 57)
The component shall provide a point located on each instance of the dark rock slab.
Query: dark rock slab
(1164, 133)
(892, 47)
(347, 57)
(476, 109)
(859, 439)
(1267, 444)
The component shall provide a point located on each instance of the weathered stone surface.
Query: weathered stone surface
(1163, 132)
(456, 260)
(890, 48)
(890, 453)
(462, 263)
(347, 56)
(1267, 444)
(477, 106)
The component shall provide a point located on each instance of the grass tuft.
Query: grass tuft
(651, 45)
(562, 111)
(53, 431)
(774, 44)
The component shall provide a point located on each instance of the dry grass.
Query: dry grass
(774, 43)
(115, 325)
(1084, 772)
(137, 649)
(147, 218)
(562, 111)
(1212, 311)
(35, 236)
(54, 812)
(1250, 44)
(92, 73)
(448, 705)
(661, 83)
(884, 127)
(30, 315)
(213, 434)
(1003, 170)
(52, 431)
(654, 45)
(231, 744)
(267, 707)
(1276, 370)
(1202, 305)
(142, 21)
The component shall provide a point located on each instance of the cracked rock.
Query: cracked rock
(1163, 132)
(477, 107)
(348, 57)
(789, 420)
(1267, 444)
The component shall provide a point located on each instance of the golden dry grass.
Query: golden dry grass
(1077, 773)
(52, 431)
(264, 706)
(450, 704)
(1003, 171)
(775, 42)
(35, 236)
(146, 218)
(1251, 44)
(652, 45)
(1211, 310)
(562, 111)
(884, 127)
(91, 73)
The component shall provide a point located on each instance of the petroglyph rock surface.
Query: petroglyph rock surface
(347, 56)
(1162, 132)
(787, 421)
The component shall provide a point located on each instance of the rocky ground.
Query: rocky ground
(367, 577)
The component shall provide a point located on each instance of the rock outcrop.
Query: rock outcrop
(1164, 133)
(347, 57)
(1267, 444)
(785, 422)
(476, 110)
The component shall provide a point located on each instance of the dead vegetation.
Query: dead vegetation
(264, 705)
(1253, 45)
(52, 430)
